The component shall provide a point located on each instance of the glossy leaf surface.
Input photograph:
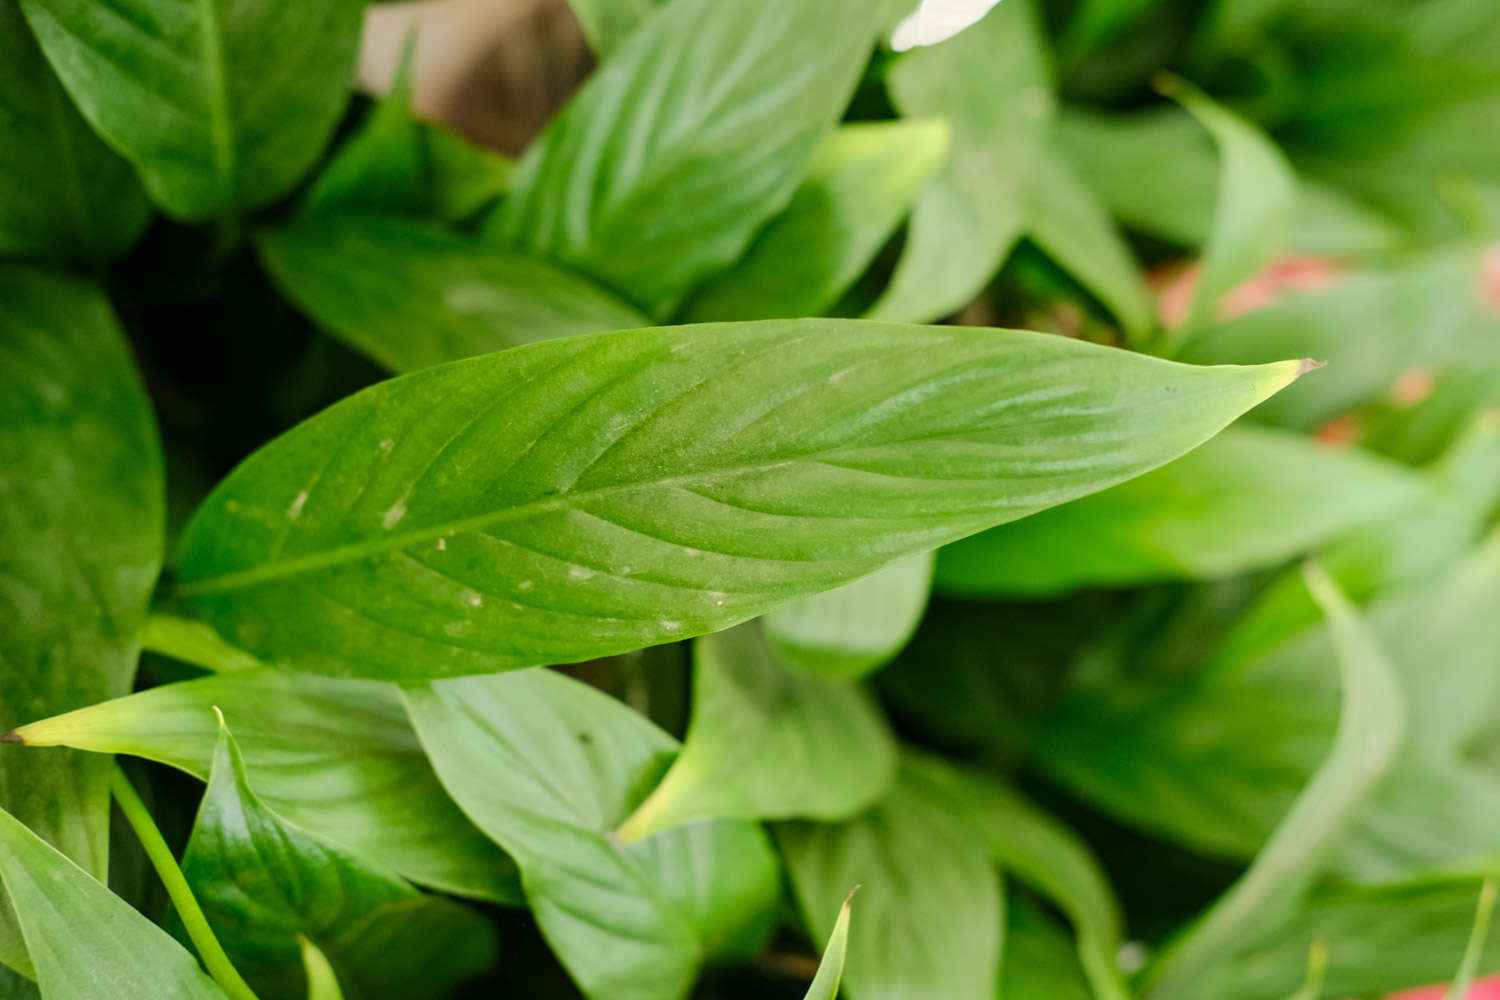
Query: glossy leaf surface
(588, 496)
(692, 135)
(549, 767)
(766, 742)
(80, 546)
(84, 940)
(337, 758)
(457, 298)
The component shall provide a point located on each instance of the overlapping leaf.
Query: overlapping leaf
(80, 546)
(594, 495)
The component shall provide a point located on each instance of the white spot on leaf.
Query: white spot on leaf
(937, 21)
(667, 625)
(473, 598)
(442, 545)
(525, 585)
(580, 572)
(295, 510)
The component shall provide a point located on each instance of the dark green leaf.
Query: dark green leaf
(766, 742)
(456, 298)
(220, 106)
(688, 139)
(337, 758)
(588, 496)
(65, 194)
(549, 767)
(264, 883)
(860, 186)
(931, 904)
(80, 546)
(991, 82)
(849, 631)
(1040, 963)
(84, 940)
(1249, 499)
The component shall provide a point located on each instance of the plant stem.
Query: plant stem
(202, 936)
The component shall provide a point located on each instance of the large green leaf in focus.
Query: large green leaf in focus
(1370, 731)
(766, 742)
(992, 83)
(859, 188)
(825, 985)
(686, 141)
(337, 758)
(849, 631)
(931, 908)
(81, 528)
(549, 768)
(221, 106)
(1249, 499)
(84, 940)
(264, 882)
(455, 297)
(63, 193)
(582, 497)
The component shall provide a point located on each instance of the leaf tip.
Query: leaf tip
(1308, 365)
(13, 736)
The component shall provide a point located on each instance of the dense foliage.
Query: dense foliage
(428, 574)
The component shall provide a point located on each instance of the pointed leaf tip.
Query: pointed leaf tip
(12, 737)
(1309, 365)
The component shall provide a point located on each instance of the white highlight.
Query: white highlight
(580, 572)
(937, 21)
(295, 510)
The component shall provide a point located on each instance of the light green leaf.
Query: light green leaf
(992, 83)
(825, 985)
(1040, 962)
(264, 883)
(456, 297)
(194, 642)
(1394, 937)
(85, 941)
(687, 140)
(548, 767)
(81, 528)
(1027, 842)
(337, 758)
(221, 107)
(607, 23)
(847, 632)
(397, 163)
(860, 186)
(1370, 731)
(931, 904)
(589, 496)
(1072, 226)
(1411, 547)
(766, 742)
(1254, 211)
(65, 193)
(1249, 499)
(322, 981)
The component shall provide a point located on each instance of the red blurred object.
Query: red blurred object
(1484, 989)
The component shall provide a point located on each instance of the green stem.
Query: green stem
(1475, 949)
(193, 920)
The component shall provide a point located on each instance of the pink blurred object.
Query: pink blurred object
(1484, 989)
(1176, 285)
(1489, 279)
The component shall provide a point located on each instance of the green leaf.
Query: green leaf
(860, 186)
(81, 526)
(589, 496)
(194, 642)
(825, 985)
(766, 742)
(66, 194)
(548, 767)
(692, 135)
(337, 758)
(992, 83)
(1073, 227)
(1040, 963)
(85, 941)
(1394, 937)
(1249, 499)
(397, 163)
(607, 23)
(457, 298)
(1370, 731)
(221, 108)
(1254, 212)
(847, 632)
(264, 883)
(1474, 951)
(322, 981)
(931, 904)
(1030, 844)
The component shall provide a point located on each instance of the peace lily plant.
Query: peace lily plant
(430, 574)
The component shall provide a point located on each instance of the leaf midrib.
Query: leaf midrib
(220, 128)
